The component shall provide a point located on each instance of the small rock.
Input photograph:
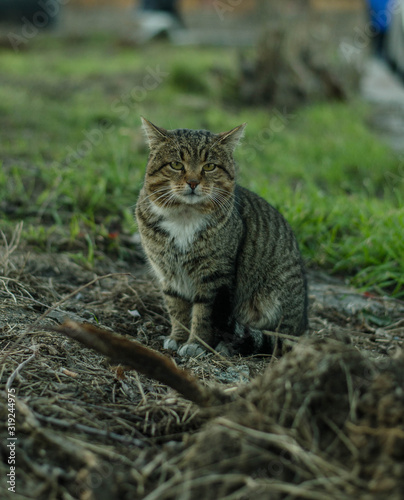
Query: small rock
(135, 313)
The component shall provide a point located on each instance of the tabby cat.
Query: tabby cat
(227, 262)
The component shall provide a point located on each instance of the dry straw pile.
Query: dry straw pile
(324, 421)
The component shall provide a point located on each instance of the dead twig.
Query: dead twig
(147, 361)
(280, 335)
(18, 369)
(90, 430)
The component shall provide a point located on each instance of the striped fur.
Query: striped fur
(228, 262)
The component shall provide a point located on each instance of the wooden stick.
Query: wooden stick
(147, 361)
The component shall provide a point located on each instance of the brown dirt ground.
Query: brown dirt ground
(324, 421)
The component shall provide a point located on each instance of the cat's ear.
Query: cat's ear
(154, 134)
(232, 137)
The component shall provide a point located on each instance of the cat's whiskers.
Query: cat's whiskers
(166, 190)
(222, 195)
(161, 190)
(172, 193)
(168, 193)
(221, 201)
(170, 200)
(226, 192)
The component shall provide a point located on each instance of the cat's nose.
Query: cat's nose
(193, 184)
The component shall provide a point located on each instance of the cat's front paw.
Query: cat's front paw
(170, 344)
(191, 350)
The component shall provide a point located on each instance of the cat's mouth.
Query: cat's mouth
(192, 198)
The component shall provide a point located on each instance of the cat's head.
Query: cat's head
(190, 167)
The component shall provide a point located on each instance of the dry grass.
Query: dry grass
(324, 421)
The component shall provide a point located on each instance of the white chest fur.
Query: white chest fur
(180, 281)
(182, 225)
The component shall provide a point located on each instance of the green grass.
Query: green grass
(73, 155)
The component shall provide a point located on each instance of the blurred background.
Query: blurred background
(319, 82)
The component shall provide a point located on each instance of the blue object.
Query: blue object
(381, 12)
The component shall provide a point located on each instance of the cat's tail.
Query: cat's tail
(246, 341)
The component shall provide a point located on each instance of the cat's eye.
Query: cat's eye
(176, 165)
(209, 167)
